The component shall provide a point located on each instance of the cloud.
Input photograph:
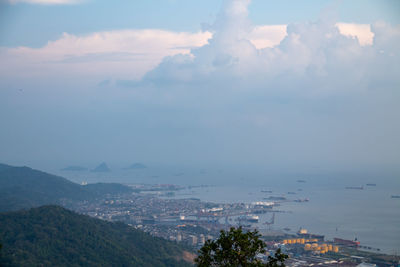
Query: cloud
(267, 35)
(130, 54)
(117, 54)
(318, 93)
(326, 91)
(45, 2)
(362, 32)
(323, 55)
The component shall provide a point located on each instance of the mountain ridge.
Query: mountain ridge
(24, 187)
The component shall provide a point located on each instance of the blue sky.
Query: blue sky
(273, 84)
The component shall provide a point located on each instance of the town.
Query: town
(190, 221)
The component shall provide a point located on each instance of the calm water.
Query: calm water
(370, 215)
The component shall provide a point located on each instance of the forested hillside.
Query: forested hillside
(54, 236)
(23, 187)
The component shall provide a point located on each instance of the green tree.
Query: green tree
(278, 260)
(236, 248)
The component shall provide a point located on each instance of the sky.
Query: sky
(299, 85)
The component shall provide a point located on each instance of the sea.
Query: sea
(340, 204)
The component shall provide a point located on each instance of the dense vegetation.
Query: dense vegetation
(23, 187)
(237, 248)
(54, 236)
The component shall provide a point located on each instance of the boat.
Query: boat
(275, 198)
(395, 196)
(301, 200)
(355, 187)
(266, 191)
(249, 218)
(371, 184)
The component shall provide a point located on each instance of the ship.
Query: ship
(275, 198)
(266, 191)
(249, 218)
(301, 200)
(371, 184)
(395, 196)
(355, 187)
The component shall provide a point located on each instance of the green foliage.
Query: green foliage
(278, 260)
(23, 187)
(54, 236)
(237, 248)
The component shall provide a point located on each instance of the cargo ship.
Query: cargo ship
(266, 191)
(355, 187)
(301, 200)
(275, 198)
(249, 218)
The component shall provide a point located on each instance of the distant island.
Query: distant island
(75, 168)
(101, 168)
(136, 166)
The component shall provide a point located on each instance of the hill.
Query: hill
(23, 187)
(101, 168)
(4, 166)
(54, 236)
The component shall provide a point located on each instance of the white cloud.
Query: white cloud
(129, 54)
(117, 54)
(362, 32)
(267, 35)
(323, 56)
